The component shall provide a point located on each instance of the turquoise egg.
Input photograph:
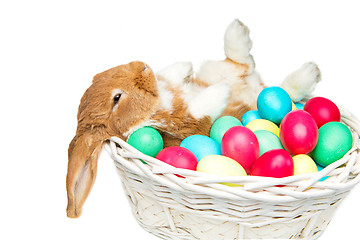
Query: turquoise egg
(221, 125)
(319, 169)
(267, 141)
(299, 106)
(273, 104)
(201, 146)
(249, 116)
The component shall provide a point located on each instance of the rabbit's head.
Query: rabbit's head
(118, 99)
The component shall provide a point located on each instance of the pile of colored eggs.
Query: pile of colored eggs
(279, 139)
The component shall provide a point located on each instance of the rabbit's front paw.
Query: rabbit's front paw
(177, 73)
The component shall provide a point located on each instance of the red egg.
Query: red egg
(276, 163)
(241, 144)
(298, 132)
(178, 157)
(323, 110)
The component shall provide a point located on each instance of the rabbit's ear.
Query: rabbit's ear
(84, 151)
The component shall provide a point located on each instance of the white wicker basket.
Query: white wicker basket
(197, 207)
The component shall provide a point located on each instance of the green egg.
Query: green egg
(147, 140)
(335, 140)
(267, 141)
(221, 125)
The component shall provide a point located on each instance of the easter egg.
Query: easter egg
(304, 164)
(221, 125)
(274, 163)
(222, 166)
(241, 144)
(298, 132)
(273, 104)
(335, 140)
(147, 140)
(319, 169)
(267, 141)
(249, 116)
(323, 110)
(299, 106)
(263, 124)
(178, 157)
(293, 106)
(201, 146)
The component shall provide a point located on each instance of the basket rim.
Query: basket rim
(294, 187)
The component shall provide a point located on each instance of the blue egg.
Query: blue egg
(249, 116)
(299, 106)
(319, 169)
(273, 104)
(201, 146)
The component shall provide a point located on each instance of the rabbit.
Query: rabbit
(175, 101)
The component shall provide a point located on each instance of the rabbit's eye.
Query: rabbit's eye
(117, 98)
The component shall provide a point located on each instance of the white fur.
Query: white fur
(189, 91)
(166, 96)
(176, 73)
(254, 83)
(302, 82)
(210, 102)
(237, 44)
(248, 93)
(213, 72)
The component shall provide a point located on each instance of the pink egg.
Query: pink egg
(299, 132)
(241, 144)
(178, 157)
(274, 163)
(323, 110)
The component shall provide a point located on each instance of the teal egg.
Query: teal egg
(299, 106)
(147, 140)
(335, 140)
(221, 125)
(267, 141)
(319, 169)
(201, 146)
(273, 104)
(249, 116)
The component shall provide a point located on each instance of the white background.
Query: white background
(50, 51)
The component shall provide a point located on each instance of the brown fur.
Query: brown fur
(199, 82)
(243, 67)
(100, 117)
(179, 123)
(97, 122)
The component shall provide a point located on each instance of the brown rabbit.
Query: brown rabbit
(177, 103)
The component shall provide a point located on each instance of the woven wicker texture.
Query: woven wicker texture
(197, 207)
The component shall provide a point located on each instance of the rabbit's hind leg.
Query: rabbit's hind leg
(302, 81)
(237, 44)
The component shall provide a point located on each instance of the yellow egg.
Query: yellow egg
(293, 106)
(222, 166)
(304, 164)
(263, 124)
